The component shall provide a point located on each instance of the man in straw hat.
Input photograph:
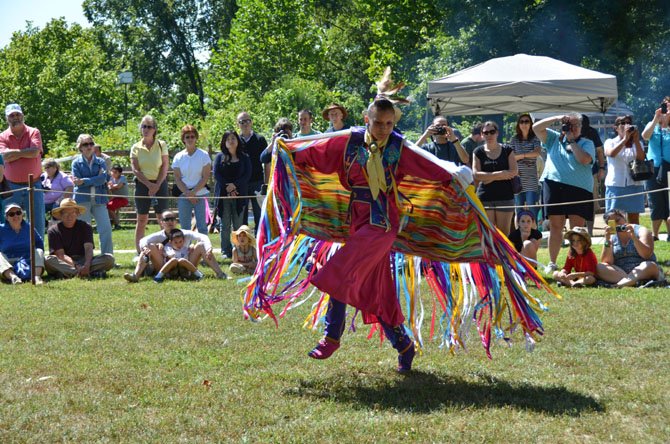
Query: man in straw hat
(580, 258)
(336, 114)
(71, 246)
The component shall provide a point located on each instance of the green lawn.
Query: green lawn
(95, 360)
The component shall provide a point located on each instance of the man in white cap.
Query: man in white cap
(71, 246)
(21, 149)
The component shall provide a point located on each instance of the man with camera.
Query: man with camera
(445, 143)
(566, 178)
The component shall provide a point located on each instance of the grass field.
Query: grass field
(103, 360)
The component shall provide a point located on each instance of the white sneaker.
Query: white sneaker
(550, 268)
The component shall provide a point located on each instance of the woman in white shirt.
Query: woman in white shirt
(192, 168)
(620, 151)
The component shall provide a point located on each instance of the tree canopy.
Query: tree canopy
(202, 61)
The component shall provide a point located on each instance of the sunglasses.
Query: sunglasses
(169, 219)
(14, 213)
(147, 127)
(244, 121)
(488, 133)
(190, 136)
(87, 144)
(521, 122)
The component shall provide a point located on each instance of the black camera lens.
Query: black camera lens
(440, 130)
(566, 127)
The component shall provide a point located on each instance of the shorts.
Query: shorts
(494, 204)
(143, 202)
(628, 204)
(658, 201)
(557, 192)
(116, 202)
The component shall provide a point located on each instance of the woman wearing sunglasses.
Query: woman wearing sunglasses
(149, 159)
(527, 148)
(89, 174)
(15, 248)
(192, 168)
(494, 166)
(621, 151)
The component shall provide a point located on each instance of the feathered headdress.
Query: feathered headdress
(386, 89)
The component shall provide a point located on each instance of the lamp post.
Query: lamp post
(125, 78)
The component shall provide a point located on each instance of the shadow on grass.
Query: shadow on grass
(422, 392)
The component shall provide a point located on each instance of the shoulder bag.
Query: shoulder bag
(641, 169)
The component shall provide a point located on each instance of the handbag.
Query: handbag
(175, 191)
(641, 169)
(516, 184)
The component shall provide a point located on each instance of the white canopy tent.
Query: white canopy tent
(522, 83)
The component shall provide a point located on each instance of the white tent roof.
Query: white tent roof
(522, 83)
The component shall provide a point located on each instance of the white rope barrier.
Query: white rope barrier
(600, 199)
(207, 196)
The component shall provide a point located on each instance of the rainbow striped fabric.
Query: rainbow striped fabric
(473, 272)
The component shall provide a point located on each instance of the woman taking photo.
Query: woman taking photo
(232, 170)
(628, 253)
(657, 132)
(527, 148)
(90, 176)
(620, 151)
(192, 168)
(149, 161)
(494, 166)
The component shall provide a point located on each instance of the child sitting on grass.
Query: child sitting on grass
(581, 258)
(526, 238)
(177, 253)
(244, 251)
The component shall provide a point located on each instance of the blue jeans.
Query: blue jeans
(186, 208)
(21, 198)
(104, 226)
(252, 188)
(527, 198)
(229, 218)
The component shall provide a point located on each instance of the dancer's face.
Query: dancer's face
(380, 123)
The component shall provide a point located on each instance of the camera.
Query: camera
(664, 108)
(440, 130)
(620, 228)
(632, 128)
(566, 125)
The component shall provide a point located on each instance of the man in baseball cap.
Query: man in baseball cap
(21, 149)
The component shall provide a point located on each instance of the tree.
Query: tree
(57, 74)
(161, 41)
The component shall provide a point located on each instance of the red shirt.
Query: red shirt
(581, 263)
(18, 170)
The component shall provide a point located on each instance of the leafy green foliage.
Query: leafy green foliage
(203, 61)
(57, 74)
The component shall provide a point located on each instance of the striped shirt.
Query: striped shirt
(527, 167)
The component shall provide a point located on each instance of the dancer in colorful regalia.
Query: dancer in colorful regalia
(365, 206)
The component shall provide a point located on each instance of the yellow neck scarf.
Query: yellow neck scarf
(374, 165)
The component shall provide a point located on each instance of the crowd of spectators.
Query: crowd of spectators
(547, 170)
